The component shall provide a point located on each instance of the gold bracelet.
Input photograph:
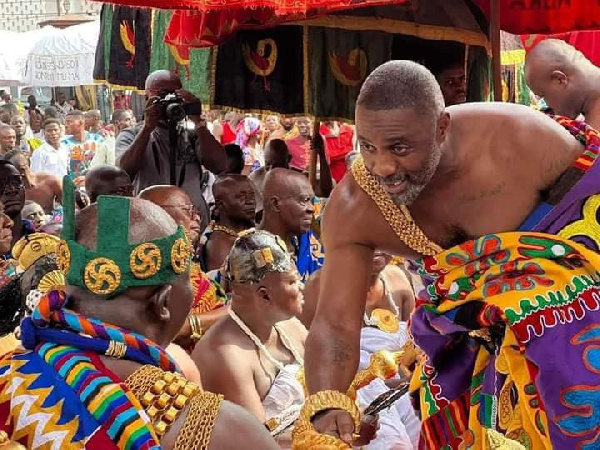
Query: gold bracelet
(323, 400)
(306, 437)
(196, 326)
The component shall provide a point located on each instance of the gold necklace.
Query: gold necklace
(397, 217)
(226, 230)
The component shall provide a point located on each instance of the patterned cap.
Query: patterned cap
(256, 253)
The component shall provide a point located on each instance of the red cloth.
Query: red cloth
(228, 136)
(215, 21)
(337, 147)
(587, 42)
(546, 16)
(300, 150)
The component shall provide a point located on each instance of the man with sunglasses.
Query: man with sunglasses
(12, 196)
(107, 180)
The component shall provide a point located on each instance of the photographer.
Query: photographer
(144, 151)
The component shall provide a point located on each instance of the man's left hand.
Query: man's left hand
(192, 99)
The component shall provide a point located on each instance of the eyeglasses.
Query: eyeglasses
(14, 182)
(190, 210)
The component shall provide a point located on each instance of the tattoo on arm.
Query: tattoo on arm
(340, 352)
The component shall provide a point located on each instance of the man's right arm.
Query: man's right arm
(130, 148)
(333, 344)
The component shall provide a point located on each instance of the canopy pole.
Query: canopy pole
(496, 57)
(312, 168)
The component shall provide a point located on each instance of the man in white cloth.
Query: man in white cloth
(253, 356)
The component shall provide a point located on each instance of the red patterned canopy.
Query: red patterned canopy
(273, 7)
(546, 16)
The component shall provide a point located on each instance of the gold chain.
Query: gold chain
(225, 230)
(397, 217)
(196, 431)
(166, 398)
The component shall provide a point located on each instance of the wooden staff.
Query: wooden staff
(496, 56)
(312, 168)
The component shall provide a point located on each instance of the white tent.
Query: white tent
(63, 57)
(13, 54)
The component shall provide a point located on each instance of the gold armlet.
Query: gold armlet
(164, 395)
(196, 326)
(196, 431)
(305, 436)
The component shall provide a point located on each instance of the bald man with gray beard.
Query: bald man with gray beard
(429, 178)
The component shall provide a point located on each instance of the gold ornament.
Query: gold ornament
(63, 257)
(383, 365)
(385, 320)
(397, 217)
(145, 261)
(52, 281)
(102, 276)
(116, 349)
(180, 256)
(201, 417)
(305, 436)
(164, 395)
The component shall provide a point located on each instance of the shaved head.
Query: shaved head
(235, 199)
(162, 80)
(401, 84)
(107, 180)
(562, 75)
(287, 202)
(165, 195)
(225, 183)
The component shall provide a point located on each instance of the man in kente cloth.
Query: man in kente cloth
(496, 204)
(93, 372)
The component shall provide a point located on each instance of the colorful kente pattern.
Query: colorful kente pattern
(509, 326)
(59, 394)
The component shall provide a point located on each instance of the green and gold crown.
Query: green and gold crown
(117, 265)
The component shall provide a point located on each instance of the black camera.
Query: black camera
(174, 109)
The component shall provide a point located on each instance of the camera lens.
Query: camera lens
(175, 112)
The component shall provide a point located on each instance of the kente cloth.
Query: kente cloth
(509, 324)
(123, 50)
(570, 206)
(55, 392)
(208, 294)
(59, 397)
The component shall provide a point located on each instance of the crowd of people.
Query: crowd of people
(418, 280)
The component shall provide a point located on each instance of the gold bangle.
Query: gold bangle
(305, 437)
(196, 326)
(324, 400)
